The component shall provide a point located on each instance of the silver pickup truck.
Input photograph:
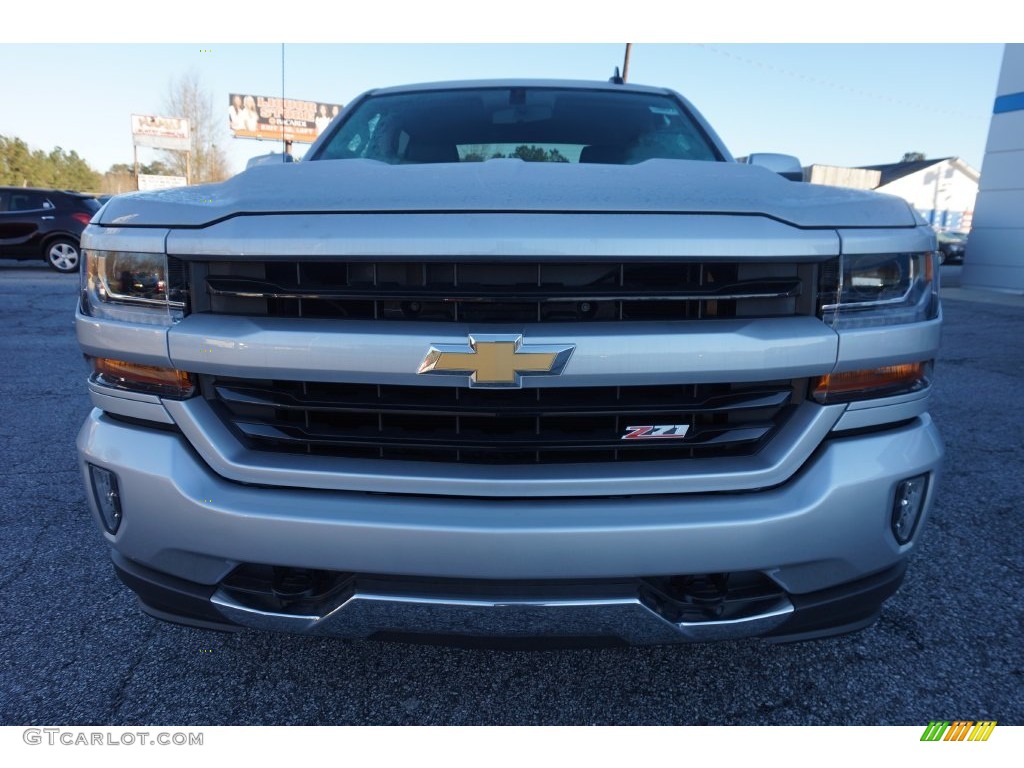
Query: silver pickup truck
(526, 359)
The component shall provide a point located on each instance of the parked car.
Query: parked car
(951, 247)
(44, 223)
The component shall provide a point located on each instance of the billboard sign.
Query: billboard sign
(160, 132)
(277, 119)
(151, 182)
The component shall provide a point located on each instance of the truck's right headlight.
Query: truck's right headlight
(880, 289)
(133, 287)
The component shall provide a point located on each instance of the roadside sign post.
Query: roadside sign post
(172, 133)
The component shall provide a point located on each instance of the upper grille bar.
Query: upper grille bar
(624, 405)
(263, 289)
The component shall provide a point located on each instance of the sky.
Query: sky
(835, 103)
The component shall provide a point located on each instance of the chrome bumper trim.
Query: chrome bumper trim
(625, 617)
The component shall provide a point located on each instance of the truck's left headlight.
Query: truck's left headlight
(133, 287)
(881, 289)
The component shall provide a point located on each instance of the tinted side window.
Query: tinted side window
(28, 201)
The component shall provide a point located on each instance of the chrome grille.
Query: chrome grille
(476, 292)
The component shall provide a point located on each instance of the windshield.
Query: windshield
(555, 125)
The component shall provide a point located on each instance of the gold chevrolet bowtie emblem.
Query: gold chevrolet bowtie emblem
(496, 360)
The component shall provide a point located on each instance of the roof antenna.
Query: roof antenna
(617, 78)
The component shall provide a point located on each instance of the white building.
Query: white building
(840, 176)
(995, 250)
(943, 190)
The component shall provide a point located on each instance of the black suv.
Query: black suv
(44, 223)
(951, 247)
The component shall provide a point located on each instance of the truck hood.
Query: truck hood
(654, 186)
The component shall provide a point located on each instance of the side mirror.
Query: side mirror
(272, 159)
(786, 166)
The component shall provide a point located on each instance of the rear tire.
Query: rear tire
(63, 254)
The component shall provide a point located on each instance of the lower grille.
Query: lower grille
(694, 598)
(644, 610)
(477, 426)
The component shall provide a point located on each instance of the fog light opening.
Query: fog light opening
(107, 496)
(907, 507)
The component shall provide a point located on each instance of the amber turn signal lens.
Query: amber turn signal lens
(143, 378)
(874, 382)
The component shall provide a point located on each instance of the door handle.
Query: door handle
(46, 218)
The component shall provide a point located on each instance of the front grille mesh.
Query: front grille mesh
(546, 292)
(480, 426)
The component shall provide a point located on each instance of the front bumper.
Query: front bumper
(823, 537)
(622, 614)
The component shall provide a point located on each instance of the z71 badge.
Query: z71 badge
(656, 432)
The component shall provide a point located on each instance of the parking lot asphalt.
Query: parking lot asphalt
(76, 650)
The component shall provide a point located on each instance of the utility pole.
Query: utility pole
(286, 145)
(625, 64)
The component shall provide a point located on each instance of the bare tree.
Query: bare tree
(187, 98)
(120, 178)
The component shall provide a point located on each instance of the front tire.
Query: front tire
(63, 254)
